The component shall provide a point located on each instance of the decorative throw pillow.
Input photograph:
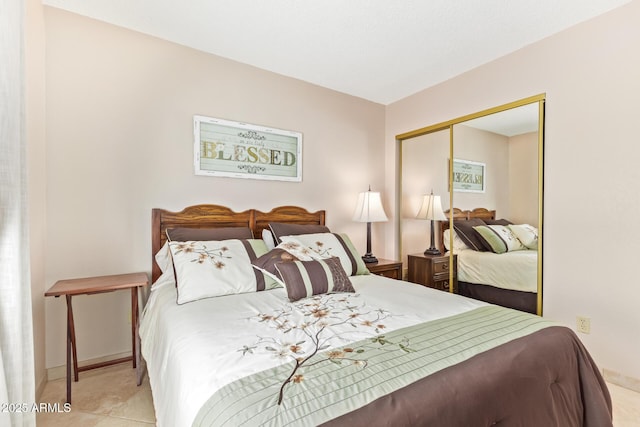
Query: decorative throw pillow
(185, 234)
(306, 278)
(207, 269)
(458, 243)
(501, 221)
(466, 231)
(267, 236)
(499, 238)
(267, 262)
(280, 229)
(527, 234)
(326, 245)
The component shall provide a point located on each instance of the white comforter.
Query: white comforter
(194, 349)
(517, 270)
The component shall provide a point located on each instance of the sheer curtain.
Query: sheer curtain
(17, 383)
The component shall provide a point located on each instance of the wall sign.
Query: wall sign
(469, 176)
(241, 150)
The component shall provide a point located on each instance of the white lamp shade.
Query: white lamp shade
(369, 208)
(431, 208)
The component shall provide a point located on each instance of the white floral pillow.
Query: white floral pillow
(526, 233)
(307, 247)
(213, 268)
(499, 238)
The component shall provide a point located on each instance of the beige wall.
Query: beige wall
(425, 167)
(36, 165)
(492, 150)
(120, 109)
(590, 75)
(523, 178)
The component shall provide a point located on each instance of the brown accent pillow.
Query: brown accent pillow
(470, 236)
(306, 278)
(184, 234)
(279, 229)
(267, 262)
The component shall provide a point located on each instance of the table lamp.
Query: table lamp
(369, 209)
(431, 209)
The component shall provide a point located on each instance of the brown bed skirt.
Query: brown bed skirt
(523, 301)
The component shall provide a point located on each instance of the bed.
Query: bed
(386, 353)
(509, 279)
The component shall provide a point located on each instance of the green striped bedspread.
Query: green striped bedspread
(341, 380)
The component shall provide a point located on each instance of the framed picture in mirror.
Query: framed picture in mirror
(469, 176)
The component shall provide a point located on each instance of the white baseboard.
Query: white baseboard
(621, 380)
(58, 372)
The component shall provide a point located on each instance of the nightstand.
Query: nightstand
(91, 286)
(386, 268)
(433, 271)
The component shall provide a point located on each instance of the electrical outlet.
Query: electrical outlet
(583, 324)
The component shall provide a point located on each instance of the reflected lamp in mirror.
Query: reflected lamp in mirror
(431, 209)
(369, 209)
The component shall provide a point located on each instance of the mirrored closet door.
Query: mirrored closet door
(488, 166)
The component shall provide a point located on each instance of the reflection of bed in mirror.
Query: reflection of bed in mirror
(509, 279)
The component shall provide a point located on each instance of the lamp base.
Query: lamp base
(432, 251)
(369, 259)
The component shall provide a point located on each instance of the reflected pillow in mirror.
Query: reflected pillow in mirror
(501, 221)
(469, 235)
(527, 234)
(500, 238)
(458, 243)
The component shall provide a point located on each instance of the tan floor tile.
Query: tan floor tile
(44, 419)
(102, 397)
(626, 406)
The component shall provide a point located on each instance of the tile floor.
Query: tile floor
(105, 397)
(109, 397)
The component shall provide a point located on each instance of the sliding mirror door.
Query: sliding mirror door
(424, 169)
(494, 162)
(496, 168)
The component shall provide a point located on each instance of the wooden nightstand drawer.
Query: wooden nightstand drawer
(432, 271)
(441, 265)
(387, 268)
(442, 283)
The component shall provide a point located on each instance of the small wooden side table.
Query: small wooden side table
(387, 268)
(90, 286)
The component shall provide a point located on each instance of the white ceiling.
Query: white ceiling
(515, 121)
(380, 50)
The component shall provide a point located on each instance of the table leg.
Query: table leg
(69, 345)
(72, 335)
(134, 322)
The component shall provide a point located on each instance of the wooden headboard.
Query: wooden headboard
(216, 216)
(460, 215)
